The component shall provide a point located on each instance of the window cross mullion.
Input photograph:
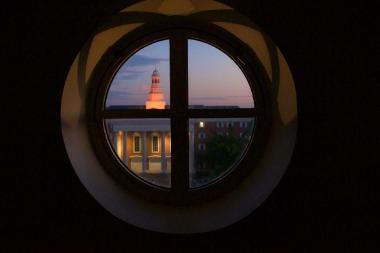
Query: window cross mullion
(222, 113)
(136, 113)
(179, 120)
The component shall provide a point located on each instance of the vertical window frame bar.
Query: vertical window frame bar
(179, 106)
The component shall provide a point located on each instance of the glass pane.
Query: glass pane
(143, 81)
(215, 146)
(144, 147)
(215, 80)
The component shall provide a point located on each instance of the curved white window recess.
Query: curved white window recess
(212, 215)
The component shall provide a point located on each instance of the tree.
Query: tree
(223, 150)
(221, 153)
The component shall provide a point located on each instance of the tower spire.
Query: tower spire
(156, 96)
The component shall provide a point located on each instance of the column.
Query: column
(125, 147)
(144, 153)
(163, 153)
(115, 137)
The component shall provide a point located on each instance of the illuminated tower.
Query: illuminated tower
(156, 96)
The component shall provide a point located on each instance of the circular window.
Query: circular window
(178, 114)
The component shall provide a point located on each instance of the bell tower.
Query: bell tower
(156, 96)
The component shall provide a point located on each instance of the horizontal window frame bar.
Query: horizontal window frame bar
(136, 113)
(169, 113)
(222, 113)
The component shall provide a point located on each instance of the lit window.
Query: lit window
(136, 143)
(201, 124)
(155, 144)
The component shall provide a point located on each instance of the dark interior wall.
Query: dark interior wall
(327, 199)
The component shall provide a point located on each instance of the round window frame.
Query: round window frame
(149, 33)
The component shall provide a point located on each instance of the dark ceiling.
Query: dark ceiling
(327, 201)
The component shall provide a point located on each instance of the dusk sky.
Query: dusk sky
(214, 79)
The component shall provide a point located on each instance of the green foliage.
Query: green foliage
(221, 152)
(224, 150)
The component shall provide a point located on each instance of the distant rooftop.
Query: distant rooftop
(121, 107)
(213, 106)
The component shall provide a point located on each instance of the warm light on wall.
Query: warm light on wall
(170, 144)
(119, 147)
(155, 105)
